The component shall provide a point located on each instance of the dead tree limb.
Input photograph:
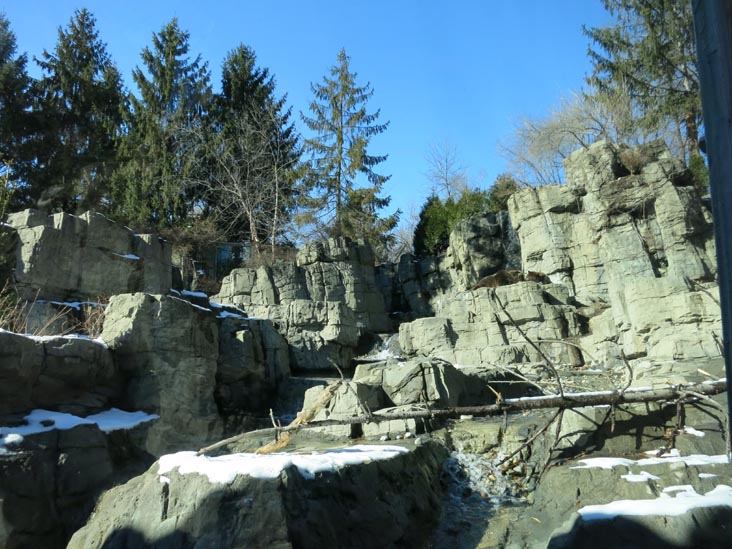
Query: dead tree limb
(568, 401)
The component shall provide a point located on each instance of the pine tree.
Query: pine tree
(14, 117)
(253, 127)
(343, 131)
(175, 95)
(79, 117)
(650, 51)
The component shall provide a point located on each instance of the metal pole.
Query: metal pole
(713, 29)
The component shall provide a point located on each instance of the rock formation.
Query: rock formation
(613, 285)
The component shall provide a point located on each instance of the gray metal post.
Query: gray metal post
(713, 28)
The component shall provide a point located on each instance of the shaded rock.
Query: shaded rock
(67, 374)
(390, 502)
(48, 487)
(168, 350)
(253, 361)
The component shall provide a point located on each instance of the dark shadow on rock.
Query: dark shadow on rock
(703, 528)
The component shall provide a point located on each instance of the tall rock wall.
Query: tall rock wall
(322, 304)
(63, 256)
(478, 246)
(635, 249)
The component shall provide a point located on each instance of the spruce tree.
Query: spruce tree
(651, 53)
(343, 129)
(174, 96)
(78, 118)
(254, 128)
(14, 116)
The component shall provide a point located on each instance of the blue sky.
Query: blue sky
(462, 71)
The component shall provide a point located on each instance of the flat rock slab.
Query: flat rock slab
(353, 496)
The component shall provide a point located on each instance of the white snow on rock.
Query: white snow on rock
(691, 431)
(109, 420)
(128, 256)
(643, 476)
(194, 294)
(42, 339)
(671, 457)
(667, 504)
(224, 469)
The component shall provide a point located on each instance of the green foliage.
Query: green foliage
(175, 94)
(255, 149)
(650, 52)
(500, 192)
(437, 219)
(699, 173)
(78, 119)
(336, 204)
(14, 105)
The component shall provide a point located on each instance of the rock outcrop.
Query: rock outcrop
(483, 327)
(62, 256)
(330, 499)
(321, 305)
(640, 244)
(478, 246)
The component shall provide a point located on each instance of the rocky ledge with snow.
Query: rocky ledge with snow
(623, 300)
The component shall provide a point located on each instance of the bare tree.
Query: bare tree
(247, 177)
(446, 175)
(537, 147)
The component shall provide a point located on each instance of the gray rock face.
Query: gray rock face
(72, 375)
(641, 244)
(168, 351)
(253, 362)
(472, 329)
(47, 491)
(381, 503)
(64, 256)
(478, 246)
(321, 305)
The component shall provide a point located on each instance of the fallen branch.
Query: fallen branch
(568, 401)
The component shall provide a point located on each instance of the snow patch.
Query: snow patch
(685, 500)
(228, 314)
(224, 469)
(109, 420)
(691, 431)
(194, 294)
(643, 476)
(671, 457)
(127, 256)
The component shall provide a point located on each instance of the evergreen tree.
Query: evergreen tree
(502, 189)
(343, 131)
(174, 96)
(78, 119)
(14, 118)
(650, 51)
(252, 128)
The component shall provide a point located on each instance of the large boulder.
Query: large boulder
(358, 496)
(64, 256)
(168, 350)
(68, 374)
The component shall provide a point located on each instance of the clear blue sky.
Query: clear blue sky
(461, 71)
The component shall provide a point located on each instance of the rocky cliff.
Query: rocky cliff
(605, 283)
